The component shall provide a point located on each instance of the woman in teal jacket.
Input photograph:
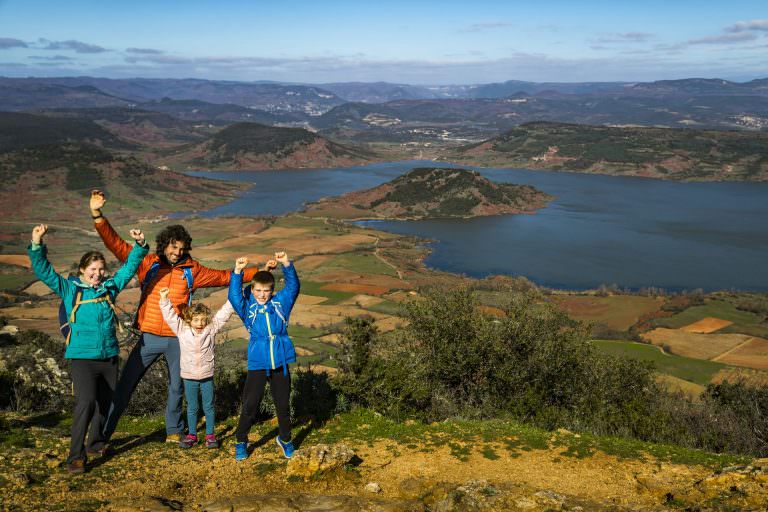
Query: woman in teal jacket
(91, 344)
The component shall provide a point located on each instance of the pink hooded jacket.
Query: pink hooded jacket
(196, 349)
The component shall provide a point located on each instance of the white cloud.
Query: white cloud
(9, 42)
(733, 38)
(71, 44)
(744, 26)
(626, 37)
(144, 51)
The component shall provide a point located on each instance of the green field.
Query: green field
(235, 350)
(15, 281)
(713, 308)
(315, 288)
(361, 262)
(692, 370)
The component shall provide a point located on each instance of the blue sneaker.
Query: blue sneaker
(241, 451)
(286, 447)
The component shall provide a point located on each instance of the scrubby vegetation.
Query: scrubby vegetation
(534, 364)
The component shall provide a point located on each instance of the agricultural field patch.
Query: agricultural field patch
(753, 353)
(695, 345)
(712, 309)
(19, 260)
(616, 311)
(688, 369)
(706, 325)
(357, 288)
(749, 376)
(672, 383)
(364, 263)
(362, 300)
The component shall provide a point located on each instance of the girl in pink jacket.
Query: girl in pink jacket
(196, 332)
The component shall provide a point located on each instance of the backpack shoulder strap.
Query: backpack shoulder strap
(149, 276)
(190, 279)
(66, 327)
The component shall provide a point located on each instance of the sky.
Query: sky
(416, 42)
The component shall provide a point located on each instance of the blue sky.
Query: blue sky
(417, 42)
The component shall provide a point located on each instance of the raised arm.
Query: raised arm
(209, 277)
(236, 298)
(140, 249)
(221, 317)
(290, 291)
(172, 318)
(38, 256)
(112, 241)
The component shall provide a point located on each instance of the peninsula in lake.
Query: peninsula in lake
(433, 192)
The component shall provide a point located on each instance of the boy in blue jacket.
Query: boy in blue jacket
(270, 350)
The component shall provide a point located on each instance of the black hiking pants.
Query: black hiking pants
(93, 382)
(253, 392)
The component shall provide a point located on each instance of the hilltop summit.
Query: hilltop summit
(253, 146)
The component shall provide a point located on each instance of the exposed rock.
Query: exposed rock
(318, 459)
(373, 487)
(305, 502)
(155, 504)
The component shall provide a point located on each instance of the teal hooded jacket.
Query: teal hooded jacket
(93, 331)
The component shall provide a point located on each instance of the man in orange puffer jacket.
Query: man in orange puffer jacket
(170, 259)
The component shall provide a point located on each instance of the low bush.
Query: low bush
(535, 364)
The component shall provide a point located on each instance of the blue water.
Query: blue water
(632, 232)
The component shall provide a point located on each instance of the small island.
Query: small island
(429, 193)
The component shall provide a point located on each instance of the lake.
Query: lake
(632, 232)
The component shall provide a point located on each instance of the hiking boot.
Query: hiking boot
(241, 451)
(96, 453)
(286, 447)
(210, 441)
(174, 438)
(76, 467)
(189, 441)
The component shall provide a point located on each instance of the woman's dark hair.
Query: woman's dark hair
(264, 277)
(170, 234)
(89, 258)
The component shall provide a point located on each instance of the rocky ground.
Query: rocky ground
(360, 462)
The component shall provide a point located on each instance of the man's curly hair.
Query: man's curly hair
(177, 233)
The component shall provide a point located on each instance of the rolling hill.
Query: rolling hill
(252, 146)
(676, 154)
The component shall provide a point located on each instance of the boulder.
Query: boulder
(318, 459)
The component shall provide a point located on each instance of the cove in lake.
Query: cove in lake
(632, 232)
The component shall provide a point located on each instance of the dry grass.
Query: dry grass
(748, 375)
(675, 384)
(707, 325)
(19, 260)
(616, 311)
(695, 345)
(753, 353)
(367, 289)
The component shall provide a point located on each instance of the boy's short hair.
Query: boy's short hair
(198, 309)
(264, 277)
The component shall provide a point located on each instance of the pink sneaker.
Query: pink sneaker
(210, 441)
(189, 441)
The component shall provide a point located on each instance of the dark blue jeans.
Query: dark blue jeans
(191, 390)
(149, 348)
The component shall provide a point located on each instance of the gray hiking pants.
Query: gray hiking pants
(149, 348)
